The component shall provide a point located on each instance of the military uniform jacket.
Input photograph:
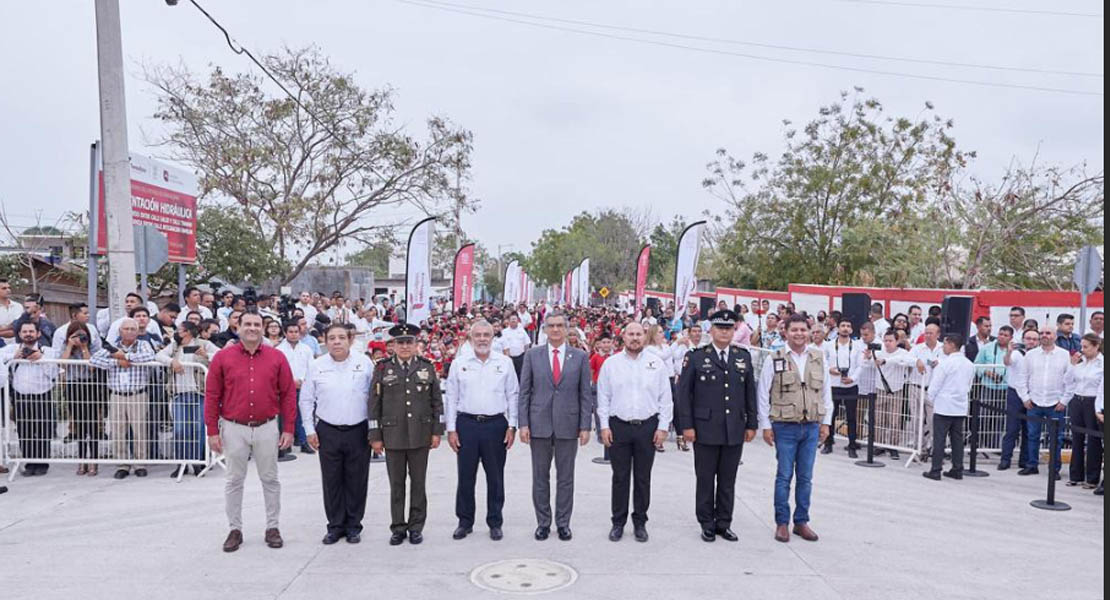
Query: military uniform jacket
(717, 400)
(406, 404)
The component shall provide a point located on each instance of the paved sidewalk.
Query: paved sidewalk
(886, 534)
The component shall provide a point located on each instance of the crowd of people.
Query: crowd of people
(138, 383)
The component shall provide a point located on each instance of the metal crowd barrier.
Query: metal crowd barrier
(70, 412)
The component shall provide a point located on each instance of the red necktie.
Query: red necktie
(556, 372)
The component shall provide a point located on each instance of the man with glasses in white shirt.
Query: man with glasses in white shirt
(481, 403)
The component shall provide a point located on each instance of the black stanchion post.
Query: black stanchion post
(870, 462)
(1050, 502)
(974, 449)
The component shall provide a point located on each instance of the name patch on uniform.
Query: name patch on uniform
(389, 378)
(742, 365)
(423, 375)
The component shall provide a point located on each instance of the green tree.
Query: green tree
(308, 174)
(375, 256)
(611, 239)
(847, 202)
(231, 248)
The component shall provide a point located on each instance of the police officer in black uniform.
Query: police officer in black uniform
(406, 406)
(716, 410)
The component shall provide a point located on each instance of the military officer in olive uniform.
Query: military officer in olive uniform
(405, 409)
(716, 410)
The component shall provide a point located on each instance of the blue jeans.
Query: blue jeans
(796, 449)
(1015, 429)
(299, 438)
(1035, 434)
(188, 426)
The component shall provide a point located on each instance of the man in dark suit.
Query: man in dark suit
(556, 410)
(716, 410)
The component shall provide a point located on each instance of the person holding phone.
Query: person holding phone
(83, 396)
(32, 387)
(187, 356)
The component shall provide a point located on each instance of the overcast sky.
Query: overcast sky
(565, 122)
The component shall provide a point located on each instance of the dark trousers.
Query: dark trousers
(481, 442)
(632, 456)
(953, 428)
(1086, 450)
(518, 364)
(345, 471)
(849, 399)
(715, 467)
(411, 465)
(1015, 430)
(35, 423)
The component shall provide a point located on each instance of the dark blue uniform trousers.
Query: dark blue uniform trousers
(481, 442)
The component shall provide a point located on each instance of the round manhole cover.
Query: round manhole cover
(524, 576)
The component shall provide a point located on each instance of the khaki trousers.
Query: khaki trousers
(242, 443)
(128, 412)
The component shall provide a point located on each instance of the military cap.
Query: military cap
(724, 318)
(404, 332)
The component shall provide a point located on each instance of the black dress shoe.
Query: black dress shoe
(894, 455)
(641, 533)
(954, 474)
(121, 474)
(565, 534)
(354, 537)
(708, 535)
(934, 475)
(826, 449)
(140, 472)
(461, 533)
(1056, 476)
(306, 449)
(728, 535)
(616, 533)
(542, 533)
(397, 538)
(1029, 471)
(1004, 466)
(331, 537)
(496, 534)
(415, 537)
(1098, 491)
(852, 453)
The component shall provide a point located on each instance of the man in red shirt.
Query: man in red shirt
(603, 349)
(249, 384)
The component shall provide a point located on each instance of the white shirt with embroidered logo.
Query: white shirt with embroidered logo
(478, 387)
(337, 392)
(635, 389)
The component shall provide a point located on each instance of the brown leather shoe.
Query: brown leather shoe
(782, 534)
(273, 538)
(803, 531)
(233, 541)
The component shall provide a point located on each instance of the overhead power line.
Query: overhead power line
(978, 8)
(536, 23)
(752, 44)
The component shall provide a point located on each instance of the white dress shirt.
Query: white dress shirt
(1016, 377)
(336, 392)
(635, 389)
(1045, 373)
(767, 378)
(205, 313)
(926, 355)
(844, 356)
(562, 357)
(1085, 379)
(299, 356)
(880, 328)
(896, 369)
(30, 377)
(516, 341)
(478, 387)
(309, 311)
(916, 332)
(8, 314)
(951, 385)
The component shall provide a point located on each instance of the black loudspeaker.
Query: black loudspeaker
(708, 306)
(955, 315)
(654, 305)
(856, 308)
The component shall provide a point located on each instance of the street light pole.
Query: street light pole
(114, 156)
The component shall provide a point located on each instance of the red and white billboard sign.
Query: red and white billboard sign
(162, 196)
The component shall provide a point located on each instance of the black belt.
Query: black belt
(1078, 397)
(143, 391)
(251, 423)
(635, 422)
(342, 427)
(482, 418)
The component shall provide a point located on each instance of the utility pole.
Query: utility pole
(458, 208)
(115, 157)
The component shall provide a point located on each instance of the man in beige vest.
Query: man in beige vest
(795, 412)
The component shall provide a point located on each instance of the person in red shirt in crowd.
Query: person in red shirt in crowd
(603, 349)
(249, 385)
